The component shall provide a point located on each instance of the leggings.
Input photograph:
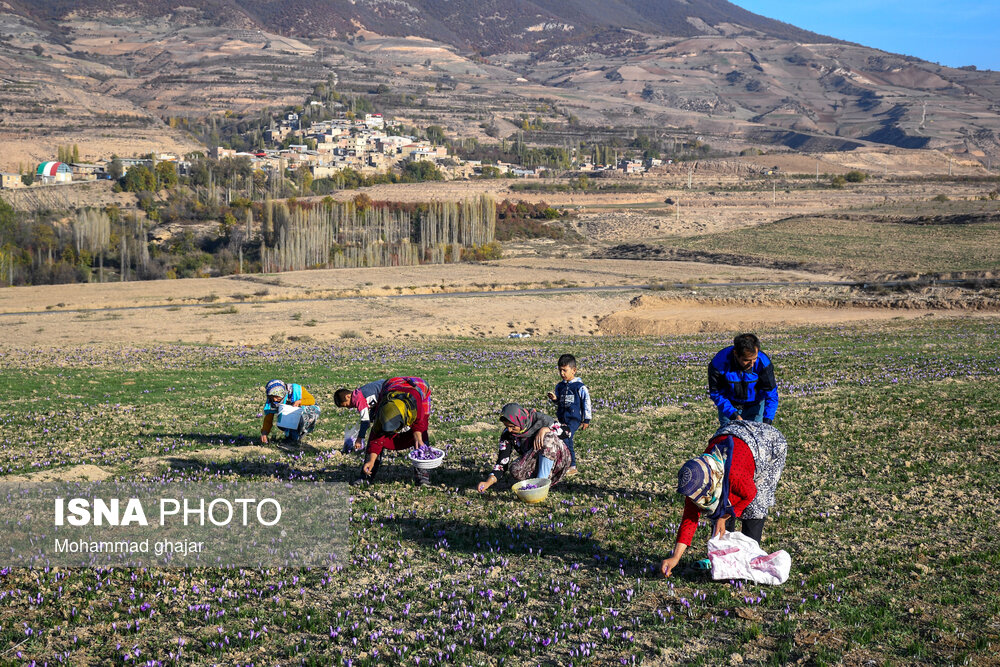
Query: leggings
(750, 527)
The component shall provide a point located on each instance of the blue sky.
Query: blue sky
(950, 32)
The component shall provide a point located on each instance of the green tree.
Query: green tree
(8, 218)
(421, 170)
(855, 176)
(166, 174)
(305, 179)
(139, 178)
(115, 168)
(435, 134)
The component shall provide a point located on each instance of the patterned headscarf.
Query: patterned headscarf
(397, 413)
(276, 391)
(700, 479)
(519, 418)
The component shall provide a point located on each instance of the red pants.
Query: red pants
(394, 441)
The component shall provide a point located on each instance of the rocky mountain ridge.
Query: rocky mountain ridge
(667, 68)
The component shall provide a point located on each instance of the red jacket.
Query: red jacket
(742, 489)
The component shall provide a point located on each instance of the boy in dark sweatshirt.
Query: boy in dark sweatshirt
(572, 401)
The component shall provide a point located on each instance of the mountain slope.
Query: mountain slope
(489, 26)
(669, 68)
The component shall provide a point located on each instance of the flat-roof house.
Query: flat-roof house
(9, 181)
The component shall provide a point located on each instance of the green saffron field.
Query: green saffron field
(888, 506)
(866, 245)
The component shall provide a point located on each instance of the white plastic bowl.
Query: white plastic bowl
(532, 496)
(428, 464)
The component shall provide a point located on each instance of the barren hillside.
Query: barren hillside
(111, 80)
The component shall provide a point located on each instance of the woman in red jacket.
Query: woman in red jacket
(400, 422)
(735, 478)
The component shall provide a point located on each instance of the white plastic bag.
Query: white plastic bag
(351, 435)
(736, 556)
(289, 417)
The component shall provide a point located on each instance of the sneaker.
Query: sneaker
(571, 471)
(423, 477)
(361, 481)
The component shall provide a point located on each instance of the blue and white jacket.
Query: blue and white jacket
(572, 402)
(730, 387)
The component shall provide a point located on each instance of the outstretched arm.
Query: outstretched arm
(689, 524)
(668, 564)
(265, 428)
(487, 483)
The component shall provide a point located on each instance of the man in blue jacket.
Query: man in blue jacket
(741, 382)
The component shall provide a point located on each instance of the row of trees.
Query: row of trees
(106, 244)
(42, 249)
(236, 178)
(518, 151)
(365, 233)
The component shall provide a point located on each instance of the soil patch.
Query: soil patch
(216, 455)
(477, 427)
(82, 473)
(657, 316)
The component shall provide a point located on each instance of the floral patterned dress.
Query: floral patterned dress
(517, 455)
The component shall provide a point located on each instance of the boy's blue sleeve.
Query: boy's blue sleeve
(585, 400)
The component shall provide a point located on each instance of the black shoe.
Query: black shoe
(423, 477)
(364, 480)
